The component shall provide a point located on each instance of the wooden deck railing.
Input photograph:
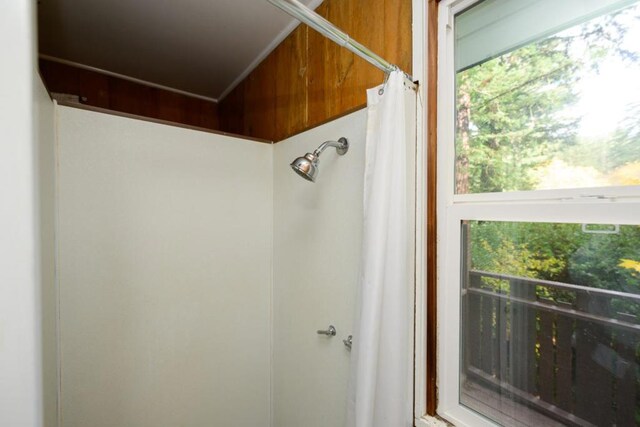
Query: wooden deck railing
(563, 349)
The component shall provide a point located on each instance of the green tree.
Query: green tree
(507, 116)
(513, 117)
(559, 252)
(597, 261)
(512, 111)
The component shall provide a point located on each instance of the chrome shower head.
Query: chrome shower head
(307, 165)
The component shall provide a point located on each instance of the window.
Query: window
(539, 207)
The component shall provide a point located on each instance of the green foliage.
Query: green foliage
(535, 250)
(517, 249)
(514, 112)
(558, 252)
(513, 103)
(516, 130)
(597, 261)
(514, 117)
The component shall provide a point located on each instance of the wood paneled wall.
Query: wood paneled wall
(111, 93)
(432, 208)
(309, 79)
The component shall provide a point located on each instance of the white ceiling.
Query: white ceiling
(203, 47)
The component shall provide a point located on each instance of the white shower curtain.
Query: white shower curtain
(380, 378)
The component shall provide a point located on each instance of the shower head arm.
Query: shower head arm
(341, 145)
(307, 165)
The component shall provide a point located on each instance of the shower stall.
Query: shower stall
(201, 282)
(191, 290)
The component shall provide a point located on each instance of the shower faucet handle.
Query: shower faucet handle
(348, 342)
(330, 331)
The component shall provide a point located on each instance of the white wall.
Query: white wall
(20, 361)
(164, 274)
(45, 164)
(317, 238)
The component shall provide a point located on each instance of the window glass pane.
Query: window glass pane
(551, 323)
(561, 111)
(494, 27)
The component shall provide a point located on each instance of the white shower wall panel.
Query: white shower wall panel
(317, 239)
(164, 274)
(317, 254)
(46, 169)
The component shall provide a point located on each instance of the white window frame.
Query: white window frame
(610, 205)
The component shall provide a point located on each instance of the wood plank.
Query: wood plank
(472, 326)
(522, 359)
(370, 30)
(486, 363)
(336, 80)
(332, 63)
(594, 381)
(564, 362)
(260, 101)
(132, 98)
(101, 91)
(319, 67)
(626, 370)
(232, 111)
(432, 203)
(511, 406)
(500, 338)
(397, 34)
(171, 107)
(546, 378)
(159, 121)
(502, 318)
(473, 331)
(202, 113)
(291, 83)
(91, 87)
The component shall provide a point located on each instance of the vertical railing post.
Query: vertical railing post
(471, 305)
(587, 371)
(626, 370)
(564, 360)
(594, 387)
(522, 358)
(546, 371)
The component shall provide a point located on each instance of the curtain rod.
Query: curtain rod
(327, 29)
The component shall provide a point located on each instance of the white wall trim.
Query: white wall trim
(56, 255)
(271, 295)
(125, 77)
(266, 51)
(21, 387)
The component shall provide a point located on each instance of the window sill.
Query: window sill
(428, 421)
